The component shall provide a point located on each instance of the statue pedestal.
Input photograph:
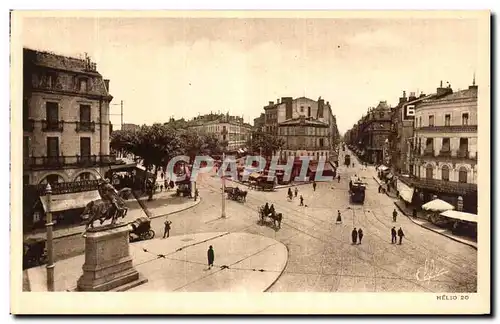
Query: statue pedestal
(108, 265)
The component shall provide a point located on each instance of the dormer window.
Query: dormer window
(83, 84)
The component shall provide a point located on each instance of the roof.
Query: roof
(62, 62)
(298, 121)
(470, 93)
(460, 215)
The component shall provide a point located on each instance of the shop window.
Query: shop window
(429, 171)
(445, 173)
(462, 175)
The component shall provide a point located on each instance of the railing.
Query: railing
(75, 160)
(52, 125)
(445, 153)
(463, 154)
(85, 126)
(428, 152)
(28, 125)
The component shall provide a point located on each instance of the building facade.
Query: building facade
(445, 142)
(66, 123)
(259, 123)
(231, 130)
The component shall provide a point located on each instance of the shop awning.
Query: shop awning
(254, 175)
(382, 168)
(405, 191)
(327, 166)
(438, 205)
(70, 200)
(460, 215)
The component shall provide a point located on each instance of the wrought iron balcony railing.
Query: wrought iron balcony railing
(463, 154)
(445, 153)
(428, 152)
(85, 126)
(52, 125)
(45, 162)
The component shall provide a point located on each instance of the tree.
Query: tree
(269, 144)
(194, 143)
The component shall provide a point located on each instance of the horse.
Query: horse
(103, 210)
(243, 194)
(277, 218)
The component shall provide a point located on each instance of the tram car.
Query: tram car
(357, 190)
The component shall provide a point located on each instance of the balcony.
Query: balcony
(52, 125)
(428, 152)
(445, 153)
(28, 125)
(464, 154)
(74, 161)
(62, 187)
(85, 126)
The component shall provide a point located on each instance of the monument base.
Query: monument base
(108, 265)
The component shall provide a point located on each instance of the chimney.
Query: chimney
(403, 98)
(443, 91)
(412, 96)
(106, 84)
(422, 95)
(271, 103)
(278, 101)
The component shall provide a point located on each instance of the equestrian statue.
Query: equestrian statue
(110, 206)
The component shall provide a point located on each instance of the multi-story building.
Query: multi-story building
(288, 119)
(231, 130)
(130, 127)
(66, 127)
(445, 155)
(373, 132)
(401, 137)
(259, 123)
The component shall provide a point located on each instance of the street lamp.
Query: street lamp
(50, 251)
(223, 215)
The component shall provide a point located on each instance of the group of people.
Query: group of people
(269, 210)
(357, 235)
(296, 191)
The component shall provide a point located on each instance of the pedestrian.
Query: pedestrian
(301, 201)
(414, 213)
(393, 235)
(360, 235)
(314, 185)
(196, 193)
(394, 215)
(353, 165)
(290, 194)
(401, 235)
(354, 236)
(338, 178)
(211, 257)
(379, 188)
(296, 192)
(161, 188)
(166, 231)
(339, 218)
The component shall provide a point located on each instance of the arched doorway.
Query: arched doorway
(445, 173)
(429, 171)
(84, 176)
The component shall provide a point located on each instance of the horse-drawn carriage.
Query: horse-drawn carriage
(270, 214)
(263, 183)
(183, 188)
(141, 230)
(234, 193)
(34, 252)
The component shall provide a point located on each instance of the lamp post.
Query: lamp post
(223, 215)
(50, 251)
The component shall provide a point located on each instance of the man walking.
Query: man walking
(393, 235)
(211, 257)
(296, 192)
(354, 236)
(166, 232)
(338, 178)
(360, 235)
(394, 215)
(401, 235)
(314, 185)
(301, 201)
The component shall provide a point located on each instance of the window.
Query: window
(465, 119)
(51, 79)
(85, 150)
(463, 147)
(301, 109)
(26, 179)
(445, 173)
(446, 145)
(429, 145)
(52, 111)
(52, 179)
(381, 114)
(83, 85)
(431, 121)
(85, 113)
(462, 175)
(308, 111)
(52, 146)
(429, 171)
(84, 176)
(321, 142)
(447, 119)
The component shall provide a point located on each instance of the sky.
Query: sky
(183, 67)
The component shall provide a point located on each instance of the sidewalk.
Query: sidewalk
(391, 194)
(161, 205)
(428, 225)
(244, 262)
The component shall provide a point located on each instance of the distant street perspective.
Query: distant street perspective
(310, 171)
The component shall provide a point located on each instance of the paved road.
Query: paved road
(321, 257)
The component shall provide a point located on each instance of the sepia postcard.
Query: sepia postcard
(250, 162)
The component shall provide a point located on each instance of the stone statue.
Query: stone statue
(110, 206)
